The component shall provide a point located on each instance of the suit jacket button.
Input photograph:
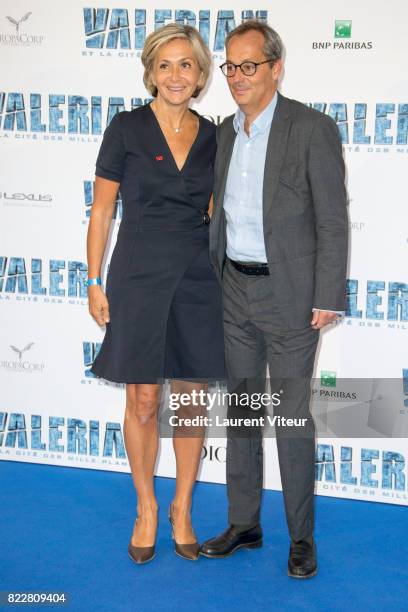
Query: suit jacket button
(206, 218)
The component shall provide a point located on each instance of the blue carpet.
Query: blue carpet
(68, 529)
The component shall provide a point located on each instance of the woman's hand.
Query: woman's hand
(105, 193)
(98, 304)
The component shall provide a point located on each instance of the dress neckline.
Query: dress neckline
(163, 137)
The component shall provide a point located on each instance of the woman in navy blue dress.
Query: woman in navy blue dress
(162, 307)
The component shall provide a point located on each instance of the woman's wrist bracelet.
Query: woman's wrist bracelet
(94, 281)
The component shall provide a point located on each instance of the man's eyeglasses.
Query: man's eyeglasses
(247, 68)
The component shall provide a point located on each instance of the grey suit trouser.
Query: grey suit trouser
(254, 340)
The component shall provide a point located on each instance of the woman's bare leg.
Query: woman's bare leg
(188, 444)
(141, 440)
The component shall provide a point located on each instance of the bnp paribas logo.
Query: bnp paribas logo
(342, 28)
(342, 36)
(328, 378)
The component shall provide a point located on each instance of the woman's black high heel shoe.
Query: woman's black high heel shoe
(141, 554)
(186, 551)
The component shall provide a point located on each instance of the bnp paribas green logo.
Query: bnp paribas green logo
(342, 28)
(327, 378)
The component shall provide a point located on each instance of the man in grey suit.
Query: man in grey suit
(278, 242)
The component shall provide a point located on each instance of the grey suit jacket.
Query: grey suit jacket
(304, 210)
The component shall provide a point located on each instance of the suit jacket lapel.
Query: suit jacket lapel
(225, 154)
(275, 153)
(218, 237)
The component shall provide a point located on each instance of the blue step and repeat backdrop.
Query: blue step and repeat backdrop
(67, 68)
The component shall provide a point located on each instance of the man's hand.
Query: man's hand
(98, 304)
(322, 317)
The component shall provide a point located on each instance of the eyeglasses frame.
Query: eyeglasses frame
(256, 64)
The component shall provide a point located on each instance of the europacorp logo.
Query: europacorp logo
(342, 39)
(17, 36)
(22, 365)
(354, 224)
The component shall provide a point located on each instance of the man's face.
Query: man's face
(252, 93)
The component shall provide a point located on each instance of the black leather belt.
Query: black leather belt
(252, 269)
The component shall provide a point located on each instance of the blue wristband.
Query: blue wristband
(94, 281)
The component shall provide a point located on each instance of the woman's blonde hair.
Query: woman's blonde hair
(166, 34)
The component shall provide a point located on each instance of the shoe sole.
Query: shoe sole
(303, 577)
(186, 558)
(141, 562)
(257, 544)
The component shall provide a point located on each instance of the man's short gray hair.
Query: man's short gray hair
(273, 46)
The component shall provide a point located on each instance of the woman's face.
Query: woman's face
(176, 72)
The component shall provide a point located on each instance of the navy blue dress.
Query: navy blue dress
(164, 298)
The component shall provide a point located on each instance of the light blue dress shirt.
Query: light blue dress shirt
(243, 199)
(244, 189)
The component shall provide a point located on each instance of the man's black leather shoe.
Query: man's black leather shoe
(302, 560)
(230, 541)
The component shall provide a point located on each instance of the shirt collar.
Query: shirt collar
(261, 123)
